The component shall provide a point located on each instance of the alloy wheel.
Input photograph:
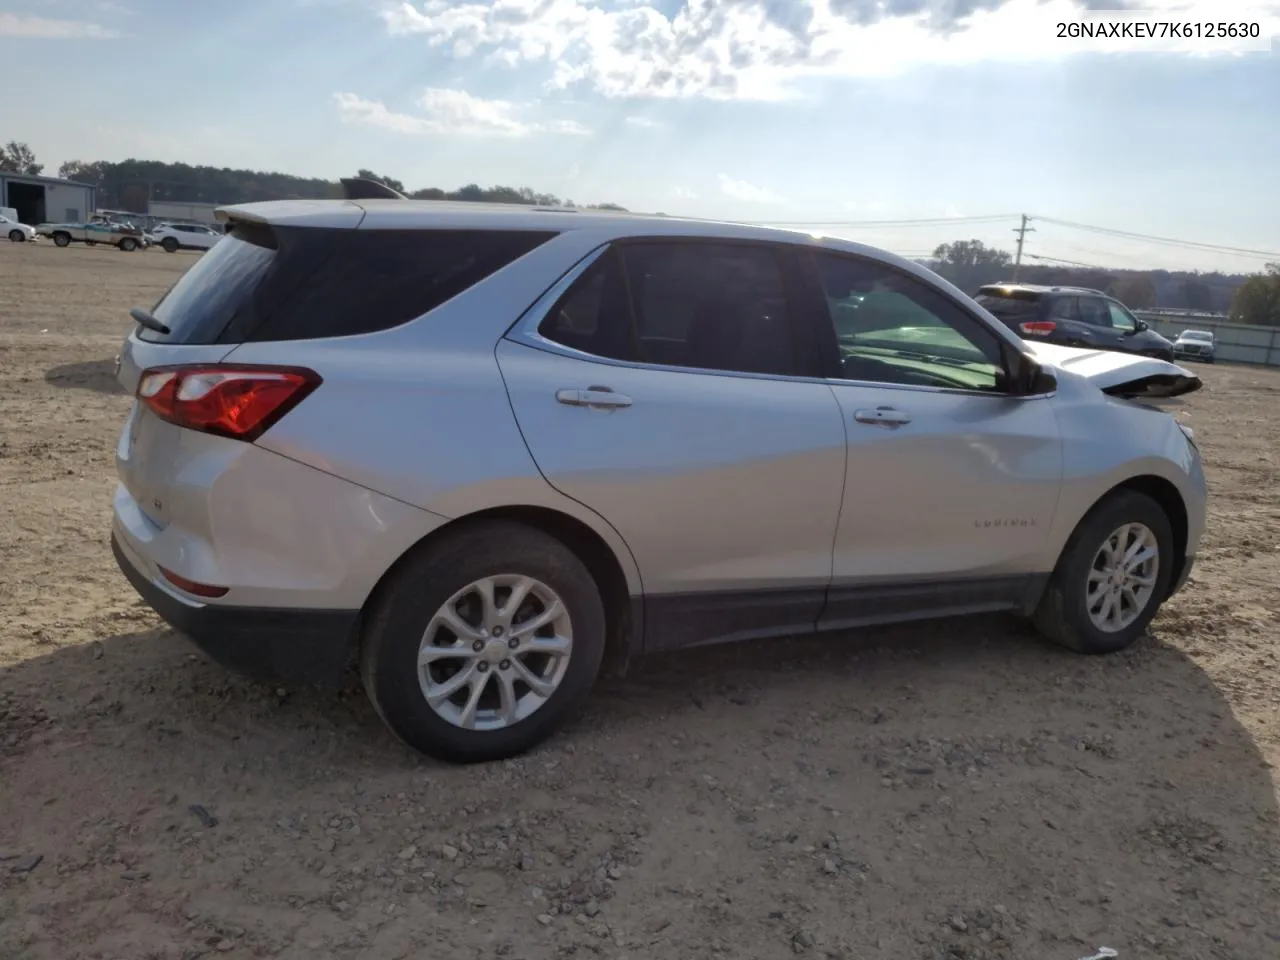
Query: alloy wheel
(495, 652)
(1122, 578)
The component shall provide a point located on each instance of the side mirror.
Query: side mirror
(1142, 325)
(1030, 378)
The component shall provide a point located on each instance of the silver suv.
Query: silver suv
(489, 451)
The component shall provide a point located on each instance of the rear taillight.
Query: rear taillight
(1039, 328)
(240, 402)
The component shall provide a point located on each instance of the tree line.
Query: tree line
(132, 184)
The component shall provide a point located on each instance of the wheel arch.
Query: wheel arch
(624, 611)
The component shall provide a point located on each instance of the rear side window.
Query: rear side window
(304, 283)
(703, 305)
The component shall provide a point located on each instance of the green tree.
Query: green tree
(970, 263)
(1257, 301)
(17, 157)
(82, 172)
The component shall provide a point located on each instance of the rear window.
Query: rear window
(1009, 304)
(305, 283)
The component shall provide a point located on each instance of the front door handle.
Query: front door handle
(598, 397)
(882, 417)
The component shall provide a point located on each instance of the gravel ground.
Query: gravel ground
(957, 791)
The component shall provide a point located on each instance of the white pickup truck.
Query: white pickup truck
(96, 230)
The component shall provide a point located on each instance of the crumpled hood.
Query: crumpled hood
(1119, 374)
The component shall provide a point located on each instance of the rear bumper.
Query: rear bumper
(309, 647)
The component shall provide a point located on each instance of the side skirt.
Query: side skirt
(677, 621)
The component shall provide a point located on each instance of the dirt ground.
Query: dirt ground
(960, 791)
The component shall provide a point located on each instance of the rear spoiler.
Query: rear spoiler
(358, 188)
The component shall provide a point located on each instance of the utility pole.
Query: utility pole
(1022, 232)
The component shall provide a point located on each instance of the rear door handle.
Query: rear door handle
(599, 397)
(882, 417)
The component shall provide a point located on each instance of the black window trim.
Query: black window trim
(830, 347)
(807, 350)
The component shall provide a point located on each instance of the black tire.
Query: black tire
(128, 244)
(170, 245)
(424, 581)
(17, 236)
(62, 239)
(1062, 615)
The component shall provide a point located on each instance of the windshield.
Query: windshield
(1197, 335)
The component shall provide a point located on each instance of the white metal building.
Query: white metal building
(47, 199)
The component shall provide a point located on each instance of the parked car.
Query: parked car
(1073, 317)
(15, 231)
(183, 236)
(1195, 345)
(501, 448)
(94, 231)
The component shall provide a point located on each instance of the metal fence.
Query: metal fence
(1236, 342)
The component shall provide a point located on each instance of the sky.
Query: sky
(834, 115)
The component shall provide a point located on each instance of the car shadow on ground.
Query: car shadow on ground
(97, 375)
(948, 789)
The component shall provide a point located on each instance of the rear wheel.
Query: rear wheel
(482, 645)
(17, 236)
(62, 239)
(1112, 577)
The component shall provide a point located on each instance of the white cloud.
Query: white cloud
(450, 112)
(747, 192)
(760, 49)
(41, 28)
(684, 193)
(644, 123)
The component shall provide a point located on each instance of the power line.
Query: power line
(926, 222)
(1190, 244)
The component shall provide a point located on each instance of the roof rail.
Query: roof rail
(358, 188)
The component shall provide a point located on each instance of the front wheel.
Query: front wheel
(128, 244)
(17, 236)
(170, 245)
(1111, 578)
(482, 645)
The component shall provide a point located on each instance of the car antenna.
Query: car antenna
(145, 319)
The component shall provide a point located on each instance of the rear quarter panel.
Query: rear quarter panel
(420, 412)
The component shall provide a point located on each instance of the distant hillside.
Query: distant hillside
(130, 184)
